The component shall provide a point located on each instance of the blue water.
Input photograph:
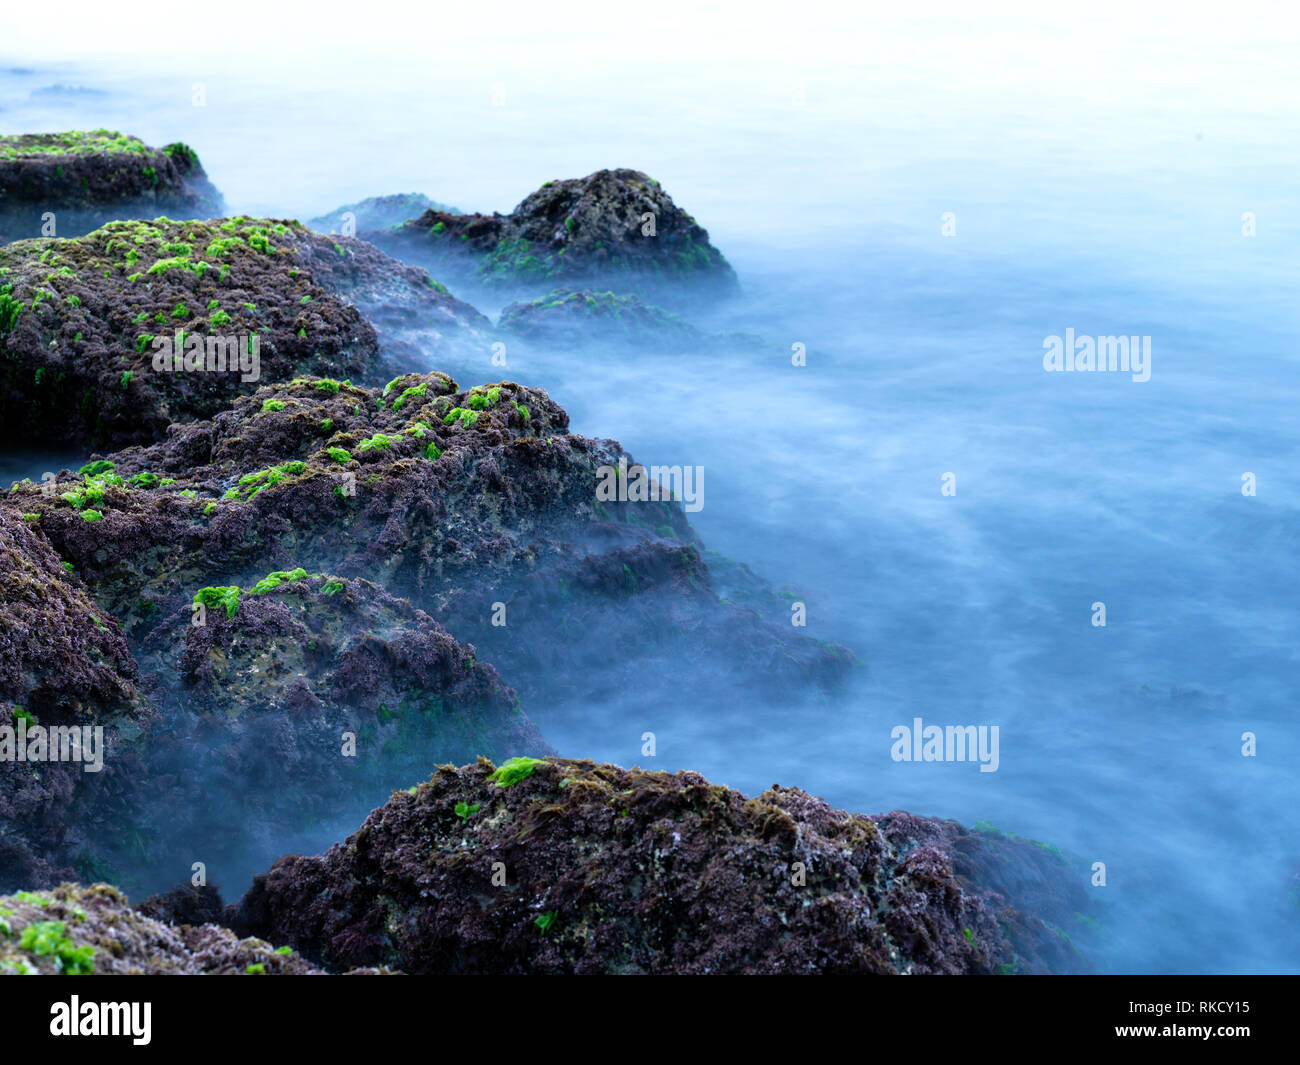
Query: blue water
(1098, 181)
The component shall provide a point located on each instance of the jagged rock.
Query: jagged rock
(63, 664)
(61, 656)
(305, 699)
(458, 499)
(85, 179)
(573, 867)
(90, 328)
(597, 227)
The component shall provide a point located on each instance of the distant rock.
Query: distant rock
(80, 180)
(609, 870)
(378, 212)
(613, 225)
(65, 91)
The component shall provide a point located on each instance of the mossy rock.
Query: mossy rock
(111, 337)
(79, 180)
(611, 225)
(601, 869)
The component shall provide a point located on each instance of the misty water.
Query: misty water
(1107, 200)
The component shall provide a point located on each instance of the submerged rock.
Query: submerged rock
(84, 179)
(586, 319)
(568, 866)
(112, 337)
(566, 317)
(617, 224)
(377, 212)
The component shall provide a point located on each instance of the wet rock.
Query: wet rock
(62, 657)
(1038, 896)
(573, 867)
(417, 320)
(566, 317)
(587, 321)
(613, 224)
(458, 499)
(64, 665)
(302, 701)
(84, 179)
(110, 338)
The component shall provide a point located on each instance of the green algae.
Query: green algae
(378, 441)
(482, 398)
(513, 770)
(74, 142)
(411, 393)
(273, 580)
(252, 483)
(50, 939)
(226, 596)
(460, 414)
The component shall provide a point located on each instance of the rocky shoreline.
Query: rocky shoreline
(301, 568)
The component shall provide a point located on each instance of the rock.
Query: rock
(310, 702)
(62, 657)
(64, 663)
(592, 228)
(377, 212)
(89, 327)
(606, 870)
(93, 930)
(426, 512)
(417, 320)
(85, 179)
(587, 319)
(458, 499)
(566, 317)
